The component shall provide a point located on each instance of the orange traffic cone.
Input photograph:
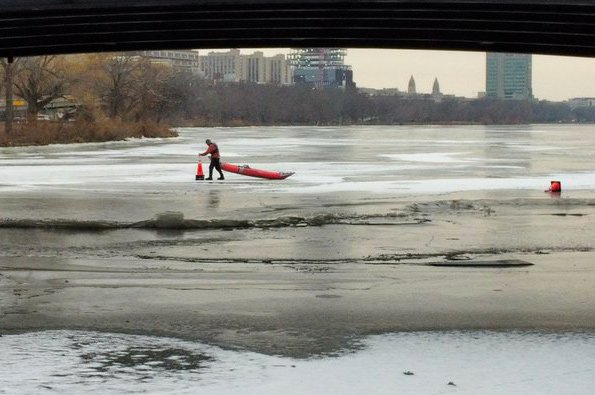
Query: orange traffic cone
(199, 174)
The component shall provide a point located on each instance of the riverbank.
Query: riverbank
(48, 132)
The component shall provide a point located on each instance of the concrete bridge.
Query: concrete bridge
(35, 27)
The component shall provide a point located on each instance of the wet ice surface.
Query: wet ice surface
(405, 363)
(358, 176)
(404, 182)
(378, 159)
(138, 179)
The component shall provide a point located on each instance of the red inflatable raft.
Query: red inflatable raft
(248, 171)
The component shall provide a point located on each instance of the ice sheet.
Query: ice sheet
(376, 159)
(487, 363)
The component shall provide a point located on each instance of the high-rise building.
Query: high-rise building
(232, 66)
(222, 66)
(321, 67)
(278, 70)
(180, 59)
(508, 76)
(253, 68)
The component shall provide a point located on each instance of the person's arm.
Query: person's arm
(208, 151)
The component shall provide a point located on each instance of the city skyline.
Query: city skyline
(555, 78)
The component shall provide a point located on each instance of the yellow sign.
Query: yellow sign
(19, 103)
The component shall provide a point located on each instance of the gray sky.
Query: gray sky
(461, 73)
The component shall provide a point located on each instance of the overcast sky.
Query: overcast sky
(461, 73)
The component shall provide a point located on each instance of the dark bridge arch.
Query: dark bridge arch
(35, 27)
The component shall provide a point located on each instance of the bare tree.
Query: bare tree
(40, 80)
(182, 95)
(117, 85)
(151, 91)
(8, 65)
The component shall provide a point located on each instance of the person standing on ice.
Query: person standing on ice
(213, 149)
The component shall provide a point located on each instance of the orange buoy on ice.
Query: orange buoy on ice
(199, 174)
(555, 186)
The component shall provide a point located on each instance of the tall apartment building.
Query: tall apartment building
(181, 59)
(321, 67)
(221, 66)
(508, 76)
(279, 71)
(232, 66)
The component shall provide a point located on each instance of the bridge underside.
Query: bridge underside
(29, 27)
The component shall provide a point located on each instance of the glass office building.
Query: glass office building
(508, 76)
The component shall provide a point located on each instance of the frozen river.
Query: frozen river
(377, 159)
(331, 281)
(135, 180)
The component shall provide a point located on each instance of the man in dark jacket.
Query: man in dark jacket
(213, 149)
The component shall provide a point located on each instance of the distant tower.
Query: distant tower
(508, 76)
(411, 88)
(436, 88)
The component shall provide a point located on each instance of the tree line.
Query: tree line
(248, 104)
(114, 86)
(133, 89)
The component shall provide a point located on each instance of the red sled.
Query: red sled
(246, 170)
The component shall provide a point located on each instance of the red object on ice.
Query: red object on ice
(555, 186)
(199, 173)
(248, 171)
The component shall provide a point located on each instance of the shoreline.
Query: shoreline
(45, 133)
(36, 134)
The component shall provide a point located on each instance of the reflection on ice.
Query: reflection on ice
(432, 157)
(433, 186)
(144, 360)
(404, 363)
